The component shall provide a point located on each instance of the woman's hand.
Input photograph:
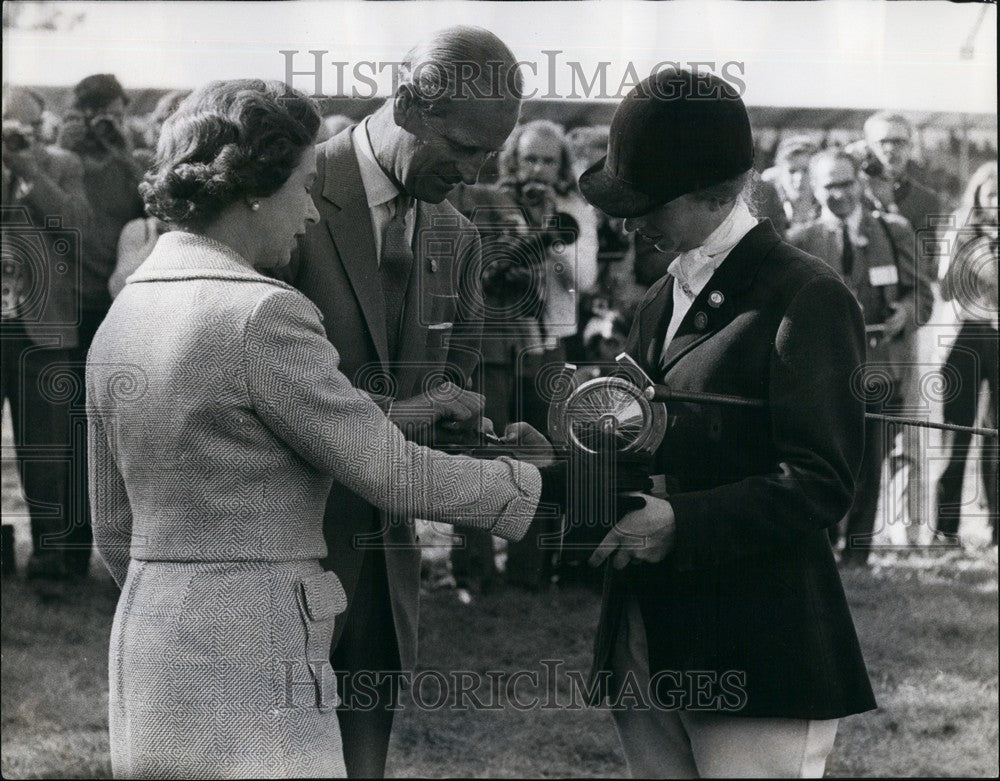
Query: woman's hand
(528, 443)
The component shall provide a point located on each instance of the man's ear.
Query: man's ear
(406, 107)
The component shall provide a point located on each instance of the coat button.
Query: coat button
(700, 321)
(715, 299)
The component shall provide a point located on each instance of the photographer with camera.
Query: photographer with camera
(537, 174)
(94, 129)
(537, 177)
(886, 163)
(873, 253)
(44, 213)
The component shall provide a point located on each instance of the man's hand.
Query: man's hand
(23, 165)
(108, 130)
(442, 403)
(528, 443)
(896, 322)
(19, 155)
(646, 535)
(73, 131)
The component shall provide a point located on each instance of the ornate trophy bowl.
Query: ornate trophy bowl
(606, 415)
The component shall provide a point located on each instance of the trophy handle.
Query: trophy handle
(607, 412)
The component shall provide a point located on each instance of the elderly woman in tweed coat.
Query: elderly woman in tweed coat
(219, 419)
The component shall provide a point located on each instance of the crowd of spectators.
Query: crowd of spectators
(561, 282)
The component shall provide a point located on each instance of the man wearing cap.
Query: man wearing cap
(723, 610)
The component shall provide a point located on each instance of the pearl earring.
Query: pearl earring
(255, 205)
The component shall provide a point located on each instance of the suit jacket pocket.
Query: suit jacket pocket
(438, 340)
(321, 599)
(439, 308)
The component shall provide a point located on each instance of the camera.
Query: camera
(533, 193)
(868, 163)
(99, 133)
(37, 262)
(513, 261)
(16, 138)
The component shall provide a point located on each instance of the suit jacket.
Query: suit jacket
(886, 241)
(336, 267)
(918, 205)
(51, 222)
(751, 585)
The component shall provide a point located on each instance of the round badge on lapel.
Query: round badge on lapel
(700, 321)
(715, 299)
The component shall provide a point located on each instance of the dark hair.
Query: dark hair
(226, 141)
(95, 93)
(742, 184)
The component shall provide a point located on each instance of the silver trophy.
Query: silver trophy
(607, 415)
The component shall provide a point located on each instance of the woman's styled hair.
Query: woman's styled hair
(746, 184)
(226, 141)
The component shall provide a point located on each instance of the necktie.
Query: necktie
(394, 269)
(847, 253)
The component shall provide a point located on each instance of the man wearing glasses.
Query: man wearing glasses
(394, 269)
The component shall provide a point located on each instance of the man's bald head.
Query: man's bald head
(462, 62)
(458, 99)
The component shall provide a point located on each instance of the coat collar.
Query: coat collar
(348, 220)
(179, 255)
(714, 306)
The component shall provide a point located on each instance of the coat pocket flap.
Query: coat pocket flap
(324, 596)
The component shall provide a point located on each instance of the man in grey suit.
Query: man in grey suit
(873, 253)
(394, 269)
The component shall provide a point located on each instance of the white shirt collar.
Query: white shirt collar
(692, 269)
(379, 189)
(737, 224)
(853, 222)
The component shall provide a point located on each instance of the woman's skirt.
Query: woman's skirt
(222, 670)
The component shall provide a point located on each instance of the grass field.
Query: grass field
(929, 631)
(927, 622)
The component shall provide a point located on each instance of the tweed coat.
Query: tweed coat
(219, 419)
(336, 267)
(751, 589)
